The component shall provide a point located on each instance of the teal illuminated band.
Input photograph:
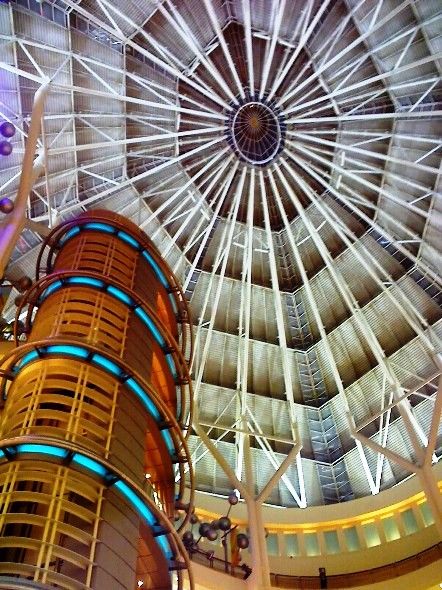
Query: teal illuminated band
(121, 296)
(108, 365)
(127, 239)
(110, 478)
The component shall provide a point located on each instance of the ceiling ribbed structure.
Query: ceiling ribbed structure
(285, 157)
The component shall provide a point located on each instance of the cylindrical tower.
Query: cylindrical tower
(95, 405)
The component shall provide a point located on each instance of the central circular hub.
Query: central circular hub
(255, 133)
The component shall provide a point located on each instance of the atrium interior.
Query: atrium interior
(284, 159)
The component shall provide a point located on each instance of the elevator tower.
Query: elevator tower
(96, 407)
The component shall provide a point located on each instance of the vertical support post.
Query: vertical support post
(260, 577)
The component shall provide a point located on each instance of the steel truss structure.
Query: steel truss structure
(314, 278)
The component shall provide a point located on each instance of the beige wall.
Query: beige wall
(426, 578)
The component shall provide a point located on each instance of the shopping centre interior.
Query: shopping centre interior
(283, 161)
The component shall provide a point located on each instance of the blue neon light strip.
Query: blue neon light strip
(42, 449)
(30, 356)
(171, 363)
(97, 469)
(163, 542)
(120, 295)
(89, 464)
(108, 365)
(70, 234)
(150, 324)
(128, 239)
(174, 305)
(104, 227)
(144, 398)
(86, 281)
(67, 349)
(143, 510)
(135, 501)
(156, 268)
(169, 441)
(52, 288)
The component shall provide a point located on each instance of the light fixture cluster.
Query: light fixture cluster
(219, 528)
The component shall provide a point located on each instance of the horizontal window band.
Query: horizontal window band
(121, 296)
(108, 365)
(127, 239)
(110, 477)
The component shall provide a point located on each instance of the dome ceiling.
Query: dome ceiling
(285, 158)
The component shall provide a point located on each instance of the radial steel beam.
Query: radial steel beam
(367, 117)
(301, 43)
(192, 178)
(112, 95)
(143, 51)
(147, 173)
(136, 140)
(410, 313)
(367, 81)
(198, 204)
(246, 6)
(183, 30)
(356, 150)
(204, 235)
(226, 250)
(219, 33)
(244, 326)
(279, 316)
(278, 7)
(358, 179)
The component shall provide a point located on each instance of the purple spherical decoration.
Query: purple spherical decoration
(19, 300)
(224, 523)
(194, 519)
(233, 499)
(203, 528)
(5, 148)
(188, 538)
(7, 129)
(212, 534)
(23, 284)
(242, 541)
(6, 205)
